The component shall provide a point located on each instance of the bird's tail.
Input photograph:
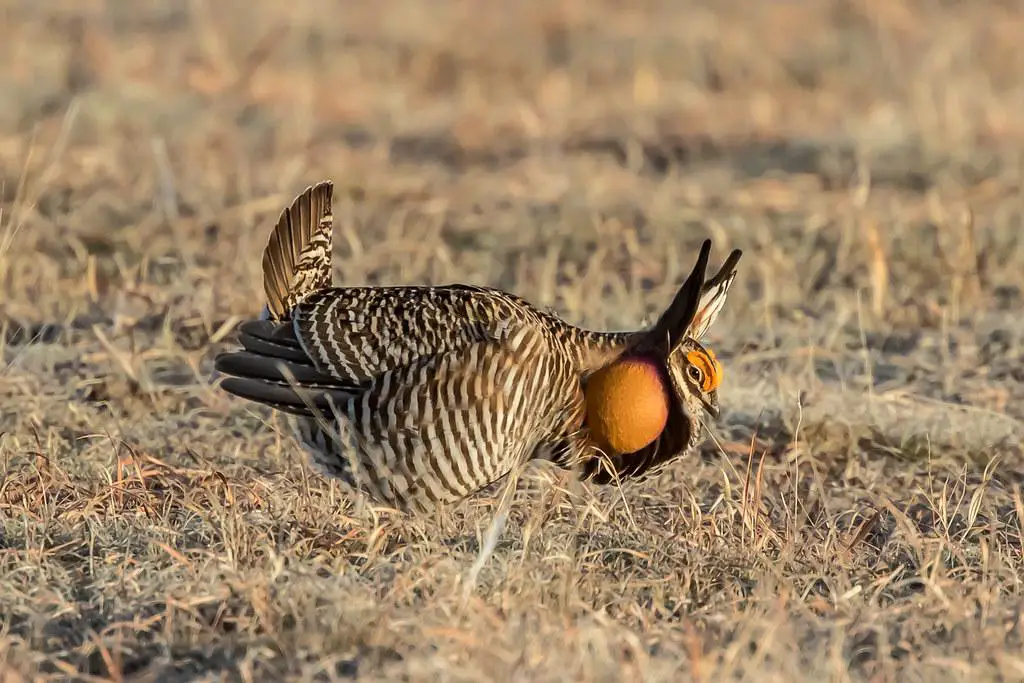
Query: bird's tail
(297, 258)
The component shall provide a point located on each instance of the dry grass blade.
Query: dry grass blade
(862, 519)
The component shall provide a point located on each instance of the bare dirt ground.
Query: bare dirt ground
(857, 515)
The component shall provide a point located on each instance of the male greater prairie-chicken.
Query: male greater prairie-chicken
(419, 396)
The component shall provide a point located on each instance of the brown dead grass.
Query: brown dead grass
(858, 515)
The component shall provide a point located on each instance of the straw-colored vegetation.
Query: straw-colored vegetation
(857, 515)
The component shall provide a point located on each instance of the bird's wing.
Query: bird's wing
(338, 341)
(357, 333)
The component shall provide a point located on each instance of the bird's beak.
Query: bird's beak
(711, 405)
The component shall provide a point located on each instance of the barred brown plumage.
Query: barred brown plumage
(420, 396)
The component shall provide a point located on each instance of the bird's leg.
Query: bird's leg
(490, 539)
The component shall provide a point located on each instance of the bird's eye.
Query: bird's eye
(695, 374)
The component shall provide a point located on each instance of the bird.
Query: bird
(419, 396)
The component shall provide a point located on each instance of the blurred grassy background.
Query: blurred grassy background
(857, 515)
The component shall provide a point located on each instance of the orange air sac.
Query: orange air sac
(627, 405)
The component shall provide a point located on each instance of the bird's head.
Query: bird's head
(665, 375)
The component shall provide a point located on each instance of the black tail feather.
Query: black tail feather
(272, 369)
(304, 401)
(273, 339)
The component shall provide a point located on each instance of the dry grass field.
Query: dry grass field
(855, 514)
